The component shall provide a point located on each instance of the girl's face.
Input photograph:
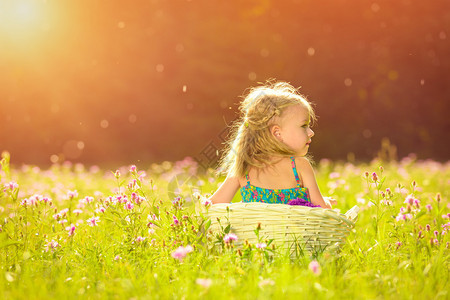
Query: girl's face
(294, 130)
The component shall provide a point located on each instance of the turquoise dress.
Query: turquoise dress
(298, 195)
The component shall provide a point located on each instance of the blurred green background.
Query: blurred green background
(110, 82)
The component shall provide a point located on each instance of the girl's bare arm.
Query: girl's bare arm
(226, 191)
(309, 181)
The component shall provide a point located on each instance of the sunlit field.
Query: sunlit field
(74, 231)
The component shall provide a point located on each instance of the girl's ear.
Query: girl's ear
(276, 132)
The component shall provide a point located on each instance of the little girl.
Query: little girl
(265, 156)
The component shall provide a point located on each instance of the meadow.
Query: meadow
(73, 231)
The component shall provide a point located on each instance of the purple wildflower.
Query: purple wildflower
(140, 239)
(93, 221)
(181, 252)
(72, 194)
(203, 282)
(71, 229)
(374, 177)
(302, 202)
(11, 185)
(261, 245)
(128, 206)
(314, 267)
(230, 237)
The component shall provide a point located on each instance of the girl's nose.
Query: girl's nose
(311, 133)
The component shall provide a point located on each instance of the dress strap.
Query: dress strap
(294, 169)
(248, 179)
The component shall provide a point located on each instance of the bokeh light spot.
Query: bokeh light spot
(132, 118)
(71, 149)
(422, 81)
(362, 94)
(54, 158)
(184, 88)
(348, 81)
(264, 52)
(252, 76)
(104, 123)
(311, 51)
(80, 145)
(367, 133)
(393, 75)
(442, 35)
(159, 68)
(179, 48)
(375, 7)
(121, 25)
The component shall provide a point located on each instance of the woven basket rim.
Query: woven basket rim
(282, 208)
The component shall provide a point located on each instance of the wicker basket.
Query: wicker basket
(312, 229)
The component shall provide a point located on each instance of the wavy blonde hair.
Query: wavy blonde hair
(251, 143)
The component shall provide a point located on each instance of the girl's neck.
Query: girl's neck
(274, 163)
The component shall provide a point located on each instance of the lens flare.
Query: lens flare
(20, 15)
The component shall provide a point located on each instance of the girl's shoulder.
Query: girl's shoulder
(279, 173)
(302, 162)
(304, 167)
(242, 181)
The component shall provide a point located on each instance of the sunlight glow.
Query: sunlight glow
(21, 17)
(24, 12)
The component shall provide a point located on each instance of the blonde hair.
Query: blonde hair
(251, 143)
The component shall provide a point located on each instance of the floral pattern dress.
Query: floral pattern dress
(294, 196)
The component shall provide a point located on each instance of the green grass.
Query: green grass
(383, 258)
